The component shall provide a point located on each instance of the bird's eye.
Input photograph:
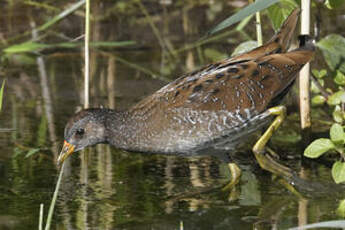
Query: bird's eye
(80, 132)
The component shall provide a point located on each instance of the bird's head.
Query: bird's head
(85, 128)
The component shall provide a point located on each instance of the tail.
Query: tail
(288, 64)
(279, 43)
(282, 38)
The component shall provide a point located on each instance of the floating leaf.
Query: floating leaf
(318, 100)
(32, 152)
(337, 134)
(336, 98)
(339, 78)
(2, 93)
(318, 147)
(245, 12)
(338, 172)
(244, 47)
(279, 12)
(333, 50)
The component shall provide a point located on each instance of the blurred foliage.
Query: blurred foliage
(278, 12)
(244, 47)
(341, 209)
(242, 14)
(2, 93)
(333, 50)
(35, 47)
(334, 4)
(19, 52)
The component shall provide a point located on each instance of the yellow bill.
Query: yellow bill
(66, 151)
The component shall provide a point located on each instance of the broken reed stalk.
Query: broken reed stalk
(40, 222)
(52, 204)
(304, 77)
(87, 55)
(258, 29)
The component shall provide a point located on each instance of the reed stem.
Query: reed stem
(258, 29)
(87, 55)
(40, 221)
(52, 204)
(304, 77)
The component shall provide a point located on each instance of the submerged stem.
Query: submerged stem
(52, 204)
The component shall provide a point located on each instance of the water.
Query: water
(105, 188)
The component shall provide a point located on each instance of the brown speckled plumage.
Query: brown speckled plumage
(211, 108)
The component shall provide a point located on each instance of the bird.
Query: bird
(206, 112)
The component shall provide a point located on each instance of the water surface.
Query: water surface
(105, 188)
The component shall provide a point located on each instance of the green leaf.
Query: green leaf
(244, 47)
(332, 4)
(113, 44)
(315, 72)
(314, 88)
(333, 50)
(34, 46)
(318, 100)
(20, 59)
(213, 54)
(32, 152)
(339, 78)
(2, 93)
(341, 208)
(245, 12)
(244, 22)
(322, 73)
(319, 74)
(279, 12)
(338, 172)
(318, 147)
(61, 15)
(336, 98)
(25, 47)
(42, 131)
(338, 114)
(337, 134)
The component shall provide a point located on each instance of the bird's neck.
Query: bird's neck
(121, 130)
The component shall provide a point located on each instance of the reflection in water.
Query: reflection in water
(106, 188)
(48, 105)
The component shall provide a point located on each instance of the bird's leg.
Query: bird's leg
(265, 160)
(235, 176)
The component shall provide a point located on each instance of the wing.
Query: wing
(279, 43)
(250, 80)
(235, 86)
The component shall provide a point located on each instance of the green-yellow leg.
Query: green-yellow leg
(231, 186)
(265, 161)
(235, 176)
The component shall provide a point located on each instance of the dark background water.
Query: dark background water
(105, 188)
